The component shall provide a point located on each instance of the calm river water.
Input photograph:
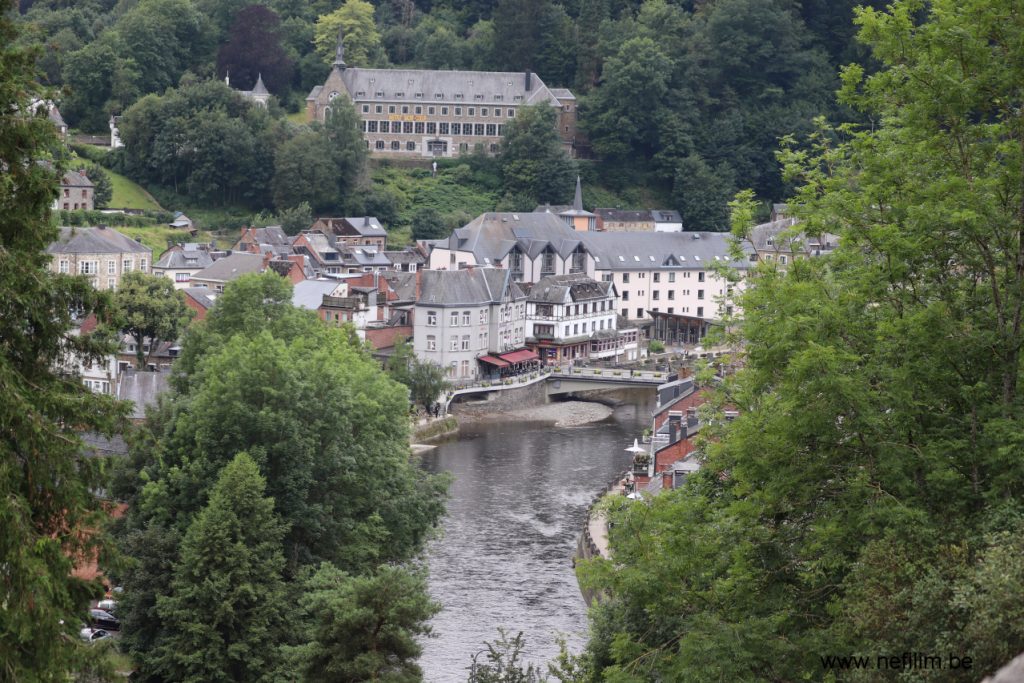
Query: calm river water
(517, 505)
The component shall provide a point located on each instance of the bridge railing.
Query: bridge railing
(611, 374)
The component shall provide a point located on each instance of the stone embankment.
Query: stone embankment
(566, 414)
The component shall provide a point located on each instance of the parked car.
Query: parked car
(103, 619)
(91, 635)
(108, 606)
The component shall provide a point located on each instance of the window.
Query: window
(419, 110)
(700, 311)
(454, 319)
(458, 111)
(371, 126)
(454, 346)
(111, 267)
(85, 194)
(431, 342)
(88, 267)
(465, 318)
(483, 111)
(471, 111)
(465, 368)
(431, 128)
(391, 109)
(443, 128)
(657, 295)
(410, 146)
(385, 126)
(492, 129)
(671, 294)
(700, 293)
(625, 278)
(64, 266)
(366, 109)
(671, 277)
(378, 109)
(406, 127)
(494, 149)
(512, 112)
(379, 144)
(671, 309)
(419, 127)
(478, 129)
(657, 277)
(625, 296)
(465, 342)
(142, 265)
(432, 318)
(126, 266)
(782, 260)
(111, 283)
(639, 312)
(700, 276)
(463, 147)
(624, 313)
(444, 111)
(182, 277)
(405, 108)
(456, 129)
(396, 145)
(483, 316)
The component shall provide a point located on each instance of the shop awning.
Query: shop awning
(519, 356)
(496, 362)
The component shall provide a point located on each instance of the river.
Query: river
(518, 503)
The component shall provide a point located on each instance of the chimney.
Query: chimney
(529, 81)
(419, 282)
(673, 431)
(366, 221)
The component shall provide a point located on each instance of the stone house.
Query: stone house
(101, 253)
(181, 261)
(353, 231)
(76, 193)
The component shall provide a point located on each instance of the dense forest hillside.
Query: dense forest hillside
(689, 98)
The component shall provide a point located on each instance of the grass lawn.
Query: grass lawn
(156, 237)
(297, 117)
(128, 195)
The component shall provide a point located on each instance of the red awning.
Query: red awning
(497, 362)
(519, 356)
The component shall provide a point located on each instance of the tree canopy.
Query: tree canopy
(151, 310)
(866, 499)
(533, 161)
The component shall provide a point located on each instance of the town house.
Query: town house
(102, 254)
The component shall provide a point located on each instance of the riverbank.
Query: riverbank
(564, 414)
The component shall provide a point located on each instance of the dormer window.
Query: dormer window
(458, 96)
(332, 95)
(478, 97)
(438, 96)
(399, 94)
(379, 93)
(361, 93)
(497, 98)
(419, 96)
(517, 98)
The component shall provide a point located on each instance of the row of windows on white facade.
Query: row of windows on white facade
(497, 112)
(656, 294)
(456, 343)
(439, 146)
(505, 313)
(93, 267)
(431, 128)
(671, 309)
(656, 276)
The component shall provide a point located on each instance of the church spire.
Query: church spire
(339, 53)
(577, 202)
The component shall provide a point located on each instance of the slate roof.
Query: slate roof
(493, 87)
(565, 289)
(562, 93)
(403, 284)
(760, 234)
(94, 241)
(491, 236)
(231, 267)
(309, 294)
(367, 226)
(625, 216)
(202, 295)
(272, 234)
(190, 255)
(100, 446)
(75, 179)
(467, 287)
(644, 250)
(363, 256)
(142, 389)
(664, 216)
(405, 256)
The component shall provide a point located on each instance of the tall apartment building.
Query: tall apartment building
(419, 113)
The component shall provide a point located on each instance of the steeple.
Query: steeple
(577, 202)
(339, 53)
(259, 88)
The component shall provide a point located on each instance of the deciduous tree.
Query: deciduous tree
(149, 309)
(533, 161)
(361, 39)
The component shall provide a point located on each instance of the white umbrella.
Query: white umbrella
(636, 448)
